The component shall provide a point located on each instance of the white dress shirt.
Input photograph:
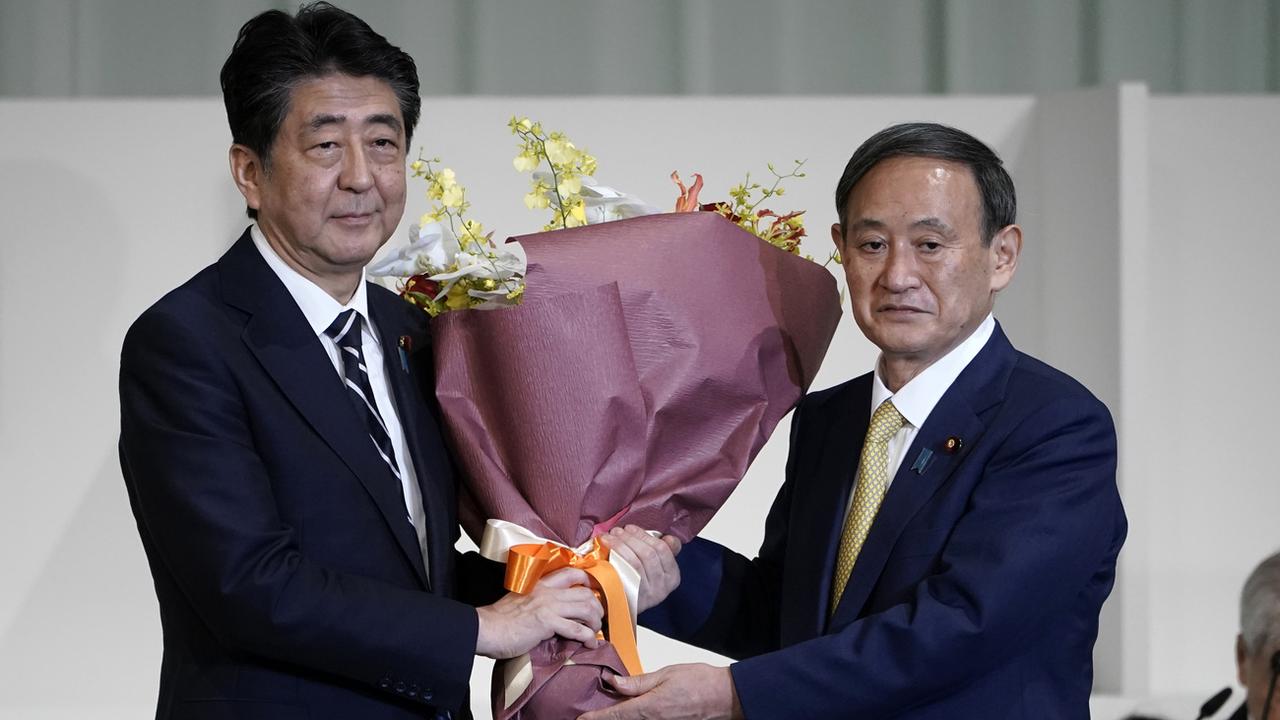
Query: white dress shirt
(921, 394)
(321, 309)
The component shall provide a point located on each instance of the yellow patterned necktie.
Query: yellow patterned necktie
(873, 481)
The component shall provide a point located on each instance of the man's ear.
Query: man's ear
(837, 237)
(247, 171)
(1005, 249)
(1242, 661)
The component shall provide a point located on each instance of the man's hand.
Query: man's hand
(655, 558)
(679, 692)
(560, 604)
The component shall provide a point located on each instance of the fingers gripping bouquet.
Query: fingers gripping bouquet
(628, 372)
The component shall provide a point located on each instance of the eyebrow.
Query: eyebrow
(867, 223)
(928, 222)
(324, 119)
(934, 223)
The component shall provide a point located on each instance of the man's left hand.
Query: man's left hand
(654, 558)
(679, 692)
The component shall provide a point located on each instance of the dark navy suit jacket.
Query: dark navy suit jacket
(289, 577)
(977, 592)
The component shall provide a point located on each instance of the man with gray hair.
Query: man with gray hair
(948, 524)
(1258, 644)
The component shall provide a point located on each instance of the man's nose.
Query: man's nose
(900, 272)
(357, 171)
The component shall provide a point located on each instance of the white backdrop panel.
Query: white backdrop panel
(110, 204)
(1210, 345)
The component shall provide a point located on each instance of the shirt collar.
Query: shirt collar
(317, 306)
(921, 394)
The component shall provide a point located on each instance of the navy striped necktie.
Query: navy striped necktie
(345, 331)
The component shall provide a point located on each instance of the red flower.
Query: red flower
(688, 200)
(420, 286)
(780, 233)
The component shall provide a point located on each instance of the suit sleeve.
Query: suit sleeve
(728, 603)
(205, 506)
(480, 580)
(1039, 526)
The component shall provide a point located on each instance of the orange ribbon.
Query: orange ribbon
(526, 564)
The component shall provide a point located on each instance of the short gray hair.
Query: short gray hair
(1260, 605)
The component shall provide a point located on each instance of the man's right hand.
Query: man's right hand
(560, 604)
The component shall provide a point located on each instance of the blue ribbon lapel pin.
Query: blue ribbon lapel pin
(922, 461)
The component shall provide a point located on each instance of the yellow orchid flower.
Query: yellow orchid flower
(451, 197)
(457, 298)
(561, 151)
(569, 185)
(537, 200)
(525, 162)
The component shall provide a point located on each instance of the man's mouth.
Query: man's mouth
(899, 309)
(354, 218)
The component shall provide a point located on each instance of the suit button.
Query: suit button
(400, 687)
(384, 683)
(427, 694)
(413, 691)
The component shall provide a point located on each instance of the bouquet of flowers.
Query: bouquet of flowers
(627, 371)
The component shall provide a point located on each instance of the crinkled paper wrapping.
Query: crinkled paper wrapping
(649, 363)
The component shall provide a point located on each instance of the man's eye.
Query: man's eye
(930, 245)
(327, 145)
(384, 143)
(873, 246)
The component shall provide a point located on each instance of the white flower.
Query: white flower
(431, 247)
(603, 203)
(500, 266)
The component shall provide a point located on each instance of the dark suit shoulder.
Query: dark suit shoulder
(199, 287)
(1035, 380)
(1041, 405)
(187, 301)
(191, 319)
(836, 396)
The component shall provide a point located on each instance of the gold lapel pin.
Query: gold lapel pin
(406, 346)
(953, 445)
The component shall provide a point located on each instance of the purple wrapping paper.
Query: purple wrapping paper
(649, 363)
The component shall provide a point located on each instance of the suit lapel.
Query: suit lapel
(279, 336)
(908, 492)
(835, 430)
(422, 435)
(979, 386)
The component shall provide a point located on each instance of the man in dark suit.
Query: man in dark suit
(949, 523)
(278, 442)
(1258, 644)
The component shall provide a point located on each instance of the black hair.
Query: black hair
(275, 52)
(999, 201)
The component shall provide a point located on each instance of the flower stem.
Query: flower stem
(541, 145)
